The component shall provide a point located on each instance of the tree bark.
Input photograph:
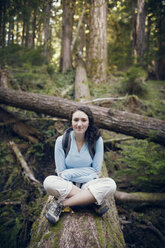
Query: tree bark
(66, 56)
(134, 5)
(97, 53)
(82, 229)
(47, 28)
(3, 78)
(127, 123)
(81, 82)
(140, 32)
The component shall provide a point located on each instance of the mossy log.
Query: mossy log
(127, 123)
(141, 197)
(81, 229)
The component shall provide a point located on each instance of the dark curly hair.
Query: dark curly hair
(92, 133)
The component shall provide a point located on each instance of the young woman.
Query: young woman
(78, 181)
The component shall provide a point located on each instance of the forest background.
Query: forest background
(116, 49)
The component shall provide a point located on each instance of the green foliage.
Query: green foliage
(119, 32)
(62, 80)
(143, 163)
(16, 219)
(134, 81)
(16, 55)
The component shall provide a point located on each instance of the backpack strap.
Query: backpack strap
(92, 149)
(66, 141)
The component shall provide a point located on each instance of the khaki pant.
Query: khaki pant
(100, 188)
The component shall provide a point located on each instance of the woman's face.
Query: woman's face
(80, 122)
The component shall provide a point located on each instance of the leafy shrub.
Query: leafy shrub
(16, 55)
(134, 81)
(143, 163)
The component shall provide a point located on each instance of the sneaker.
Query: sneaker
(53, 212)
(101, 209)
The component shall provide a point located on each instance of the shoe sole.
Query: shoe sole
(51, 219)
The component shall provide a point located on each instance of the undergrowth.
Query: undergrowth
(141, 163)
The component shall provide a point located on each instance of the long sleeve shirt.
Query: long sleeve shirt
(78, 166)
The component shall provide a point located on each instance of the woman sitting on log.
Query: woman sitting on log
(78, 157)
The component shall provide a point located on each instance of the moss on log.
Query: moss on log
(81, 229)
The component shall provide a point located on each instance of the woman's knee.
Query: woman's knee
(112, 185)
(49, 182)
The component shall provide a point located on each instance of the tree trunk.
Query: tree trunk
(47, 28)
(134, 5)
(127, 123)
(82, 229)
(3, 78)
(97, 54)
(34, 27)
(23, 34)
(4, 20)
(81, 82)
(140, 31)
(66, 56)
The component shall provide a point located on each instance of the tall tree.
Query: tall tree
(134, 16)
(97, 53)
(47, 28)
(3, 21)
(67, 23)
(140, 31)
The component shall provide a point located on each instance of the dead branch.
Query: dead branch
(106, 99)
(27, 171)
(4, 203)
(19, 127)
(113, 141)
(78, 28)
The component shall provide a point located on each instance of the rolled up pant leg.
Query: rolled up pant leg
(57, 186)
(101, 188)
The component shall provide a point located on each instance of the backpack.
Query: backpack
(66, 142)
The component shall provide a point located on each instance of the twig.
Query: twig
(112, 141)
(10, 203)
(106, 99)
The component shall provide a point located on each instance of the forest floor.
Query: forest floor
(143, 170)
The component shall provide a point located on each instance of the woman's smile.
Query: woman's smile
(80, 122)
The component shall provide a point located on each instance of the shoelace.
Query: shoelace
(52, 208)
(58, 209)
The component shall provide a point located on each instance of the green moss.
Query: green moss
(100, 231)
(153, 134)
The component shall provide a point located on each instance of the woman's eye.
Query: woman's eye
(75, 120)
(84, 120)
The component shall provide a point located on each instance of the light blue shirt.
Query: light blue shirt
(78, 166)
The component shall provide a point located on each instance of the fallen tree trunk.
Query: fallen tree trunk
(22, 129)
(141, 197)
(81, 229)
(122, 122)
